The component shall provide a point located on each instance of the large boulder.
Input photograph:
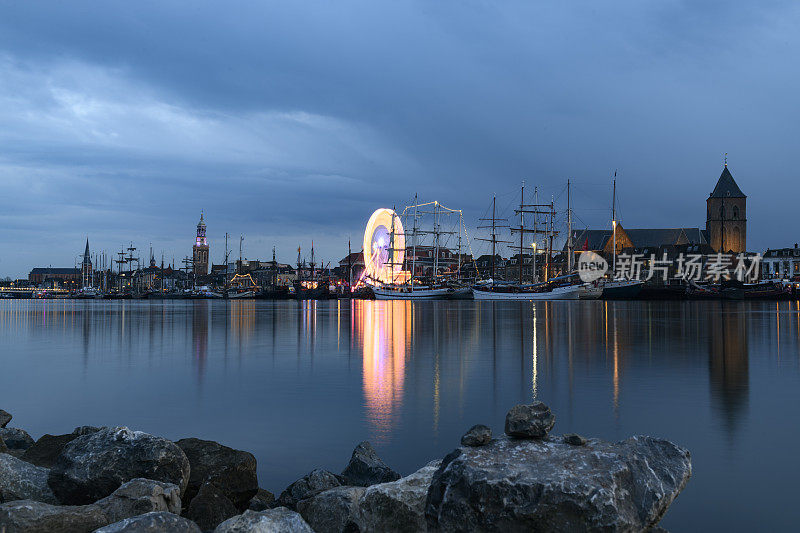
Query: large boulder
(210, 507)
(232, 471)
(262, 501)
(307, 486)
(17, 440)
(95, 465)
(3, 447)
(399, 506)
(155, 522)
(23, 481)
(47, 449)
(5, 418)
(529, 421)
(140, 496)
(28, 516)
(278, 520)
(548, 485)
(366, 468)
(133, 498)
(332, 511)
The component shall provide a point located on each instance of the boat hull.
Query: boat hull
(420, 294)
(571, 292)
(621, 290)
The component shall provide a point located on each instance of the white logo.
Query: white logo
(591, 266)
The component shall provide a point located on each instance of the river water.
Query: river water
(299, 384)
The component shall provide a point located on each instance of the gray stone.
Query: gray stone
(574, 439)
(309, 485)
(529, 421)
(28, 516)
(85, 430)
(17, 440)
(23, 481)
(5, 418)
(546, 485)
(366, 468)
(278, 520)
(3, 447)
(155, 522)
(232, 471)
(478, 435)
(93, 466)
(262, 501)
(332, 511)
(139, 496)
(45, 451)
(399, 506)
(133, 498)
(210, 507)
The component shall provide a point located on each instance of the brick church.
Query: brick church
(725, 231)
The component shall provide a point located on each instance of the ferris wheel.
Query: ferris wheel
(384, 248)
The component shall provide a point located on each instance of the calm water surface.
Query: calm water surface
(299, 384)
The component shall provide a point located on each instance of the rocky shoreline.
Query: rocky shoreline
(115, 480)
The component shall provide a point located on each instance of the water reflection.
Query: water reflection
(383, 329)
(411, 376)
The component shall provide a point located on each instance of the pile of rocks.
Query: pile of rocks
(118, 480)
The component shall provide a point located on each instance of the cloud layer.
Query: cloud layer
(288, 122)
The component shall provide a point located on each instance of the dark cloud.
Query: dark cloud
(289, 121)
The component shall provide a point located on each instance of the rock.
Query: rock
(23, 481)
(478, 435)
(29, 516)
(3, 448)
(307, 486)
(17, 440)
(140, 496)
(210, 507)
(232, 471)
(93, 466)
(278, 520)
(546, 485)
(262, 501)
(529, 421)
(332, 511)
(45, 451)
(5, 418)
(133, 498)
(574, 439)
(85, 430)
(155, 522)
(398, 506)
(366, 468)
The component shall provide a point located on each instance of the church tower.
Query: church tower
(726, 215)
(86, 267)
(200, 250)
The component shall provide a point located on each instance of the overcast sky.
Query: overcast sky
(292, 121)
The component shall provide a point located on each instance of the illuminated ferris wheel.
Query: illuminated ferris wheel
(384, 248)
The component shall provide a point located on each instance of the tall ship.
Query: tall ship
(397, 268)
(542, 217)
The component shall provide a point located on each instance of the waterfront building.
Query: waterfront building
(67, 277)
(200, 250)
(781, 263)
(726, 215)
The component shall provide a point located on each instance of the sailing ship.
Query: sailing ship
(613, 288)
(565, 287)
(387, 276)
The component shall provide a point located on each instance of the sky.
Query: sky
(288, 122)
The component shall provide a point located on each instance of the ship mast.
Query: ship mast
(614, 226)
(570, 251)
(494, 227)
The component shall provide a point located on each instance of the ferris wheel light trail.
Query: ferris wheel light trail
(384, 248)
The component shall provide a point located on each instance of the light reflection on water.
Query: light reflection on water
(300, 383)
